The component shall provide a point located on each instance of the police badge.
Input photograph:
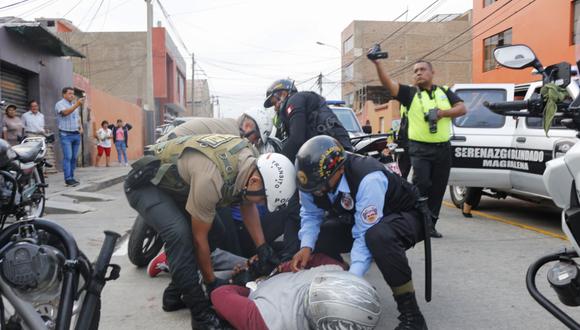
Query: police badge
(347, 202)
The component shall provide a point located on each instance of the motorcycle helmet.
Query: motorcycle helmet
(317, 161)
(278, 175)
(342, 300)
(279, 85)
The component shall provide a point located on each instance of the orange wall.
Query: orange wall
(110, 108)
(159, 63)
(545, 26)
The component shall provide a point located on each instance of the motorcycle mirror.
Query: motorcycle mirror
(516, 57)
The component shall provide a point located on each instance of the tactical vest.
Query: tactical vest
(418, 127)
(222, 150)
(323, 121)
(401, 195)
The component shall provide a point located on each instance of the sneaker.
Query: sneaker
(158, 265)
(71, 183)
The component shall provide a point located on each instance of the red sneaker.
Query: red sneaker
(158, 265)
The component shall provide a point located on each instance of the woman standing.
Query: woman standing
(13, 128)
(104, 137)
(121, 136)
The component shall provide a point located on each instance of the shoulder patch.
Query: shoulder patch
(289, 109)
(370, 214)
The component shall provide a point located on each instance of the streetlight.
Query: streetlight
(327, 45)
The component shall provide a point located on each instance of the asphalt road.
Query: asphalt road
(478, 274)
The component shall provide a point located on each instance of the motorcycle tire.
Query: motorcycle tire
(144, 243)
(41, 192)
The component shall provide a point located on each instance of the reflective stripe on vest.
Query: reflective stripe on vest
(418, 127)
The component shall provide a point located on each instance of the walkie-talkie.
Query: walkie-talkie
(376, 54)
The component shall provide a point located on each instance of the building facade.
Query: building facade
(116, 63)
(550, 28)
(361, 88)
(202, 105)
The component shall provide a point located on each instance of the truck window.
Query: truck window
(477, 115)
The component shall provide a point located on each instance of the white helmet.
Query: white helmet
(342, 300)
(278, 175)
(265, 122)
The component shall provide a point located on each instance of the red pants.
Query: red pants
(100, 151)
(232, 304)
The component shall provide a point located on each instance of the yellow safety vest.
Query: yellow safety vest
(418, 127)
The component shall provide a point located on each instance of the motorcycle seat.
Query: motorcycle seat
(27, 152)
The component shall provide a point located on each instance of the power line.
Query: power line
(73, 8)
(170, 22)
(402, 69)
(14, 4)
(96, 12)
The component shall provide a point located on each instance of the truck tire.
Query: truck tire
(144, 243)
(458, 195)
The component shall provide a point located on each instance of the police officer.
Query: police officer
(429, 109)
(386, 220)
(303, 115)
(257, 130)
(203, 172)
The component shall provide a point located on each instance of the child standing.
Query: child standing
(104, 137)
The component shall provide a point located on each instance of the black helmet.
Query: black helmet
(316, 161)
(279, 85)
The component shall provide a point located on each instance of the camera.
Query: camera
(431, 118)
(376, 54)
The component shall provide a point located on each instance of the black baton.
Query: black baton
(422, 202)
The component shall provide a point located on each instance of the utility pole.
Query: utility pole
(192, 84)
(150, 102)
(320, 83)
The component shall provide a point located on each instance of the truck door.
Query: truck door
(533, 149)
(481, 138)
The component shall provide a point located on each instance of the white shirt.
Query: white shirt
(103, 136)
(33, 123)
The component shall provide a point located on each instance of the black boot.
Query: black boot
(411, 317)
(434, 232)
(203, 317)
(172, 299)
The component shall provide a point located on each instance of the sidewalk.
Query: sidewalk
(91, 178)
(70, 200)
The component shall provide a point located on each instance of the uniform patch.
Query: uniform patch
(289, 109)
(347, 202)
(370, 214)
(302, 178)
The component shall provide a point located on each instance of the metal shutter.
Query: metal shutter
(14, 87)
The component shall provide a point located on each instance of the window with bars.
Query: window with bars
(490, 44)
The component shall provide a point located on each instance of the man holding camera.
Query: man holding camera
(430, 109)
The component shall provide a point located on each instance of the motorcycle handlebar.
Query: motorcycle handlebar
(540, 299)
(502, 107)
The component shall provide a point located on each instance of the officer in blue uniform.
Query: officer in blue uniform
(374, 215)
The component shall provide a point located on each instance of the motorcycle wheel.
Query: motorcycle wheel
(144, 243)
(36, 208)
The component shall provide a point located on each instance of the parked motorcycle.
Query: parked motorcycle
(23, 170)
(46, 282)
(561, 178)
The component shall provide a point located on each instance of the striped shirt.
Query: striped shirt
(68, 123)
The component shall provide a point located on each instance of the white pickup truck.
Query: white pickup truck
(504, 155)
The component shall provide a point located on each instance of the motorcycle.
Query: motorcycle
(46, 282)
(24, 171)
(561, 177)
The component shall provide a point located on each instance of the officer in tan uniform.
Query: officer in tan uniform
(204, 172)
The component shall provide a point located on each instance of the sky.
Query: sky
(242, 46)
